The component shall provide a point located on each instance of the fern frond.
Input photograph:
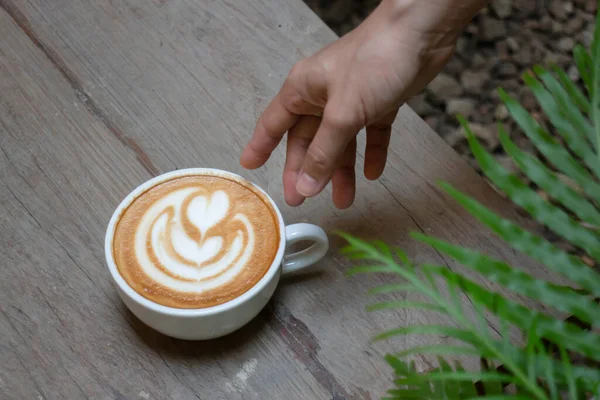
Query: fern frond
(554, 152)
(584, 66)
(596, 81)
(373, 269)
(516, 280)
(459, 376)
(551, 216)
(555, 330)
(532, 245)
(574, 93)
(405, 304)
(440, 349)
(548, 373)
(440, 330)
(467, 389)
(549, 181)
(569, 122)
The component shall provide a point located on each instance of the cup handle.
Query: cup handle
(302, 259)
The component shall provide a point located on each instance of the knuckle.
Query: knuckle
(263, 126)
(294, 102)
(302, 142)
(296, 73)
(342, 119)
(317, 160)
(257, 149)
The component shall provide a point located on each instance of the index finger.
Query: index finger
(274, 122)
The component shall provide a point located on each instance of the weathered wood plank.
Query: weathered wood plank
(180, 84)
(63, 331)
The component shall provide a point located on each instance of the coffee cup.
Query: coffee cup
(221, 319)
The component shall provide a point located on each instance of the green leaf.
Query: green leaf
(574, 93)
(568, 371)
(353, 254)
(518, 281)
(547, 180)
(382, 247)
(400, 367)
(567, 110)
(451, 386)
(466, 388)
(349, 249)
(595, 46)
(584, 65)
(548, 371)
(501, 397)
(490, 387)
(359, 246)
(595, 111)
(441, 330)
(402, 256)
(556, 330)
(554, 152)
(532, 245)
(364, 269)
(421, 393)
(405, 304)
(405, 271)
(438, 349)
(532, 341)
(565, 116)
(357, 255)
(551, 216)
(459, 376)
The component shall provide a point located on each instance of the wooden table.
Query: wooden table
(97, 97)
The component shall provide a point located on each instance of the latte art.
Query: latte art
(196, 241)
(191, 259)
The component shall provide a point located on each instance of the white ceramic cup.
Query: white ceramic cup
(219, 320)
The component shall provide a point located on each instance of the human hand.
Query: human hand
(358, 81)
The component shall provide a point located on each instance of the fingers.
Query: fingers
(344, 178)
(338, 127)
(378, 140)
(270, 128)
(299, 139)
(301, 94)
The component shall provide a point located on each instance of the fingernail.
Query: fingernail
(307, 185)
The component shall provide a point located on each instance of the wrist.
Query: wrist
(433, 17)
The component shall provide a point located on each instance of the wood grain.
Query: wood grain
(99, 96)
(64, 332)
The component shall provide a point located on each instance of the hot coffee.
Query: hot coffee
(196, 241)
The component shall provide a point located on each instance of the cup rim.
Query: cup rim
(274, 268)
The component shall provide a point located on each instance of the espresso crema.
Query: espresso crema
(196, 241)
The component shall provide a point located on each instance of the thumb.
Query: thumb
(338, 127)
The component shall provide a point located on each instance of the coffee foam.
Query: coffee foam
(196, 241)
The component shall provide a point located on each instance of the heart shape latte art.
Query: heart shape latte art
(190, 241)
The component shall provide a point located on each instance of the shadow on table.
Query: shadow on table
(271, 317)
(198, 349)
